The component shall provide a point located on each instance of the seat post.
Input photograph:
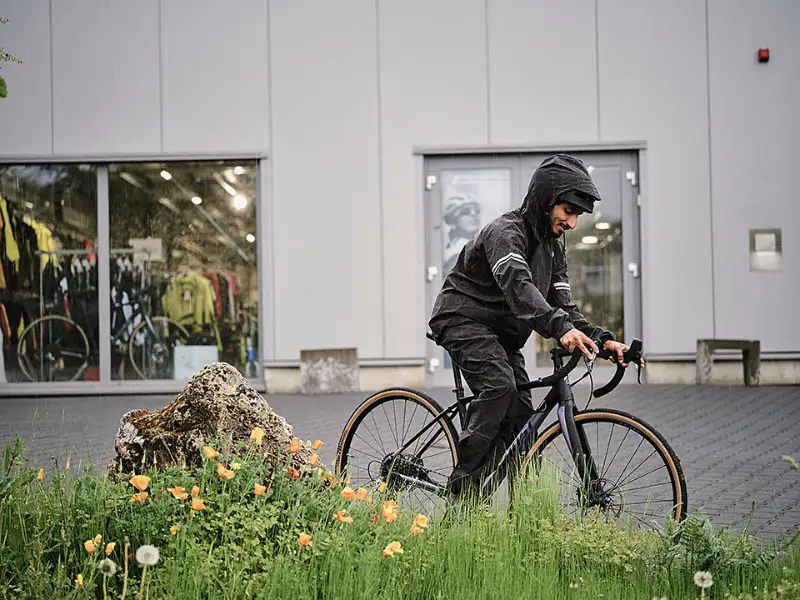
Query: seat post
(459, 389)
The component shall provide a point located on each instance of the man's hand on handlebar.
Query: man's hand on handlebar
(574, 339)
(617, 349)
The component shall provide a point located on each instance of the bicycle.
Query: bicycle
(407, 469)
(58, 340)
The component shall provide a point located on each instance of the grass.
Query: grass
(241, 544)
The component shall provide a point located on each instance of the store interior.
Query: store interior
(183, 270)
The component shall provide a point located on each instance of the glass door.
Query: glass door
(465, 193)
(602, 253)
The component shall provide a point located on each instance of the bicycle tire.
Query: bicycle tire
(140, 326)
(379, 399)
(41, 320)
(631, 423)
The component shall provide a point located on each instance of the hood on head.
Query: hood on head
(556, 175)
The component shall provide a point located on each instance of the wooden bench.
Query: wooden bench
(751, 358)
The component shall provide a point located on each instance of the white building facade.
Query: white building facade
(274, 177)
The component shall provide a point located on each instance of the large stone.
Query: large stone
(216, 404)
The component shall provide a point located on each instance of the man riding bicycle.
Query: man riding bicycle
(510, 280)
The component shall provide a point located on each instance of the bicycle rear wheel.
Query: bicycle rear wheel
(378, 428)
(639, 477)
(53, 348)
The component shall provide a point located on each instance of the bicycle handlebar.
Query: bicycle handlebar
(631, 356)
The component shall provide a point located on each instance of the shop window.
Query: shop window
(48, 273)
(184, 285)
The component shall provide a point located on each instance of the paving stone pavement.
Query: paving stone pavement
(730, 440)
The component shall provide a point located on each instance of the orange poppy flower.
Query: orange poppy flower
(209, 452)
(173, 530)
(389, 510)
(259, 489)
(98, 538)
(89, 545)
(110, 547)
(223, 472)
(257, 434)
(195, 491)
(421, 521)
(313, 459)
(392, 549)
(178, 492)
(317, 445)
(293, 473)
(140, 497)
(140, 482)
(40, 474)
(382, 487)
(361, 493)
(198, 504)
(305, 540)
(348, 493)
(340, 516)
(295, 446)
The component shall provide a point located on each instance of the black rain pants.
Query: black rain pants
(492, 368)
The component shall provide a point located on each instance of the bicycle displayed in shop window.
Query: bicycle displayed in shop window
(57, 348)
(636, 470)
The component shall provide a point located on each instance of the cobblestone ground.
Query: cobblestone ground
(730, 440)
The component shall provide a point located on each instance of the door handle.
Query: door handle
(633, 268)
(432, 272)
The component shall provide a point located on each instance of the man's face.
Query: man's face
(564, 217)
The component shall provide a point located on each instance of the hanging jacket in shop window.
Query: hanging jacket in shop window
(188, 299)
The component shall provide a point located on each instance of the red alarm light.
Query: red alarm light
(763, 55)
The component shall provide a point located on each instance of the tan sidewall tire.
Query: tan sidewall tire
(143, 324)
(415, 396)
(607, 415)
(41, 320)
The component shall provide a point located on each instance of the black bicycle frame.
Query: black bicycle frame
(560, 396)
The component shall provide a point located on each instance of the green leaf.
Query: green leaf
(3, 88)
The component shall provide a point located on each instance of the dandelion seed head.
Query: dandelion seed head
(703, 579)
(147, 555)
(107, 567)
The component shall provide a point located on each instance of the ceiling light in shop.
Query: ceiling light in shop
(129, 178)
(197, 200)
(166, 175)
(239, 170)
(168, 203)
(240, 201)
(603, 225)
(250, 238)
(589, 239)
(225, 185)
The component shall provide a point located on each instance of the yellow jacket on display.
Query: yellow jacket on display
(188, 299)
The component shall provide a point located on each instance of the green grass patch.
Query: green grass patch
(247, 545)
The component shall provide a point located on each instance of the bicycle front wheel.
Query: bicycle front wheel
(378, 428)
(639, 478)
(152, 351)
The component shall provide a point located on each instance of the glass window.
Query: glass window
(48, 274)
(184, 286)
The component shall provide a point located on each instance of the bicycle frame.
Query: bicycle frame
(560, 397)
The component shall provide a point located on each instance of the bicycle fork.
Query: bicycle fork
(577, 444)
